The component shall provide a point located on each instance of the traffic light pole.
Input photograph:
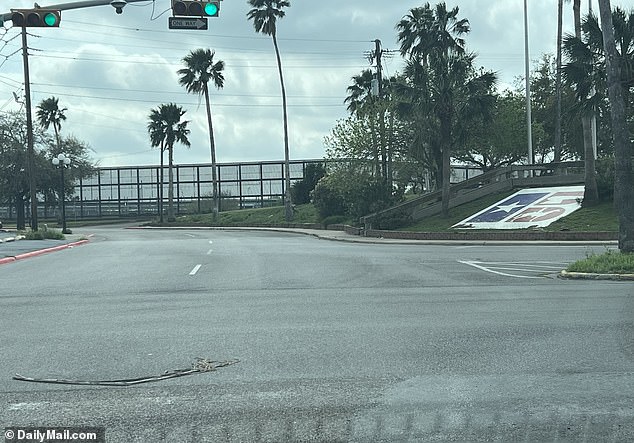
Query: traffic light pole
(27, 92)
(29, 133)
(68, 6)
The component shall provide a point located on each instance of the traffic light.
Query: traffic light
(36, 18)
(195, 8)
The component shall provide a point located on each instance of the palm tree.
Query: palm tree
(265, 14)
(49, 113)
(591, 193)
(156, 129)
(432, 38)
(195, 77)
(165, 126)
(425, 30)
(361, 103)
(624, 177)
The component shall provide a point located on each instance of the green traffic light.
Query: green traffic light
(211, 9)
(50, 19)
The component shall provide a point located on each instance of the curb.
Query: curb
(592, 276)
(324, 234)
(10, 239)
(41, 251)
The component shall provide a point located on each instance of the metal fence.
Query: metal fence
(133, 191)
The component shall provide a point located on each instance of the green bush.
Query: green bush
(393, 220)
(44, 233)
(354, 193)
(300, 190)
(327, 199)
(334, 220)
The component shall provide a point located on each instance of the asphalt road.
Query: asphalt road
(336, 341)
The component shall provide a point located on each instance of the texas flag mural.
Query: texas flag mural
(537, 207)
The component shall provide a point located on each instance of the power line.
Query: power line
(226, 105)
(179, 62)
(216, 94)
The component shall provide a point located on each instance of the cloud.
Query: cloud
(109, 70)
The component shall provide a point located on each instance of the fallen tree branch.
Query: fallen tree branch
(201, 365)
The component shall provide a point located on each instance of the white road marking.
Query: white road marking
(195, 270)
(210, 251)
(210, 242)
(479, 265)
(190, 235)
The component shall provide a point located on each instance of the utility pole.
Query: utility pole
(8, 16)
(29, 133)
(528, 88)
(378, 53)
(378, 92)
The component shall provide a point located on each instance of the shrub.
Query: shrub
(392, 220)
(327, 199)
(334, 220)
(300, 190)
(354, 193)
(44, 233)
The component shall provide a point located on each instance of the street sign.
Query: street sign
(187, 23)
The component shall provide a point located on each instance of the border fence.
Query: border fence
(133, 191)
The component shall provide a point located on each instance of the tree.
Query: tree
(265, 14)
(14, 184)
(444, 73)
(49, 113)
(165, 125)
(500, 141)
(195, 77)
(624, 177)
(362, 105)
(156, 129)
(590, 194)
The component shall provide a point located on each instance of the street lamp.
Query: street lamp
(62, 162)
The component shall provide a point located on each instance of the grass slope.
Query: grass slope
(598, 218)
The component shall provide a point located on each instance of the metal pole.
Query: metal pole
(528, 87)
(29, 133)
(63, 198)
(67, 6)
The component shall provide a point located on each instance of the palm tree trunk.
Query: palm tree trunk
(288, 204)
(20, 213)
(212, 145)
(160, 205)
(170, 190)
(445, 135)
(624, 177)
(590, 194)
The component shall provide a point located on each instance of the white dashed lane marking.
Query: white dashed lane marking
(538, 269)
(195, 270)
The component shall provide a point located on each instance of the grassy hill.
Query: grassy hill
(598, 218)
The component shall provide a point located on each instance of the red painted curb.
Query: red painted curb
(47, 250)
(6, 260)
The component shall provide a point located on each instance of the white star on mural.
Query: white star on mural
(509, 208)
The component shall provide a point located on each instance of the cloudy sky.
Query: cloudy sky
(110, 70)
